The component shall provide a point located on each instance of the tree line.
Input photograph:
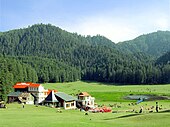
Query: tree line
(12, 71)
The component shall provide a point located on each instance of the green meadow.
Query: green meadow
(105, 95)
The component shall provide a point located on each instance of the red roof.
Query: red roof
(24, 85)
(49, 91)
(84, 94)
(34, 85)
(21, 85)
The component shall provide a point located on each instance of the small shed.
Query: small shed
(65, 100)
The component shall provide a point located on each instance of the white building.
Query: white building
(37, 90)
(85, 99)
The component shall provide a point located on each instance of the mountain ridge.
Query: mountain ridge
(154, 44)
(92, 58)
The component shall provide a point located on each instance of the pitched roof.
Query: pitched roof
(49, 91)
(64, 96)
(84, 94)
(51, 97)
(14, 94)
(34, 85)
(22, 85)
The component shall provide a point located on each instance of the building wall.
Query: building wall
(40, 99)
(39, 93)
(87, 101)
(30, 100)
(12, 99)
(41, 88)
(21, 90)
(33, 89)
(70, 105)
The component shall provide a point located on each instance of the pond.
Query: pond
(146, 97)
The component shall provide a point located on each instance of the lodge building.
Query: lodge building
(34, 93)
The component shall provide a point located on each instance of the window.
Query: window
(24, 98)
(88, 103)
(67, 105)
(72, 104)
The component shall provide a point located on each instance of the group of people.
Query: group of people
(156, 108)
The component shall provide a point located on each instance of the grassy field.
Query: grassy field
(105, 94)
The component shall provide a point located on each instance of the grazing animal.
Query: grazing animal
(150, 111)
(86, 113)
(152, 107)
(59, 111)
(160, 108)
(119, 106)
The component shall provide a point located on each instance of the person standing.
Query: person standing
(141, 109)
(157, 106)
(22, 105)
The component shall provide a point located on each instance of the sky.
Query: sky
(118, 20)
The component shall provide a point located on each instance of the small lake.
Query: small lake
(146, 97)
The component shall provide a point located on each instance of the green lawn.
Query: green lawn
(41, 116)
(31, 116)
(76, 87)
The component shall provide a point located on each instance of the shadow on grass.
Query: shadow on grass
(137, 114)
(165, 111)
(125, 116)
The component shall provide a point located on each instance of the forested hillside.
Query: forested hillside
(154, 44)
(55, 55)
(12, 71)
(164, 59)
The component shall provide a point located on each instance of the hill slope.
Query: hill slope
(164, 59)
(48, 40)
(154, 44)
(59, 56)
